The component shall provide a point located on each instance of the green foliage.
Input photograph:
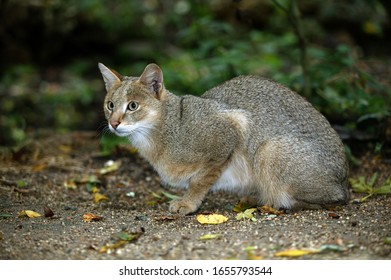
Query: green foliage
(109, 142)
(247, 214)
(198, 47)
(344, 89)
(368, 186)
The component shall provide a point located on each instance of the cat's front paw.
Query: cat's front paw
(183, 206)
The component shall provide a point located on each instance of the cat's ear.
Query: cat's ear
(152, 77)
(111, 77)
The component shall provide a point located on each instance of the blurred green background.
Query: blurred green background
(336, 53)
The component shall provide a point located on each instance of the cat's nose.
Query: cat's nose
(115, 124)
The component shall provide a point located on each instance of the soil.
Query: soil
(59, 176)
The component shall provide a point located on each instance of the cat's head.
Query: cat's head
(133, 104)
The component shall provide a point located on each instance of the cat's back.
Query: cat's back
(253, 92)
(275, 107)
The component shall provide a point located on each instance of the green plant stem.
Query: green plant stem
(366, 197)
(294, 17)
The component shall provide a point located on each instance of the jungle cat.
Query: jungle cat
(249, 135)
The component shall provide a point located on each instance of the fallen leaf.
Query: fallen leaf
(251, 255)
(70, 184)
(39, 167)
(210, 236)
(88, 179)
(247, 214)
(166, 218)
(29, 213)
(126, 236)
(98, 197)
(21, 184)
(89, 217)
(110, 166)
(65, 148)
(294, 253)
(242, 206)
(122, 238)
(212, 219)
(5, 216)
(270, 210)
(48, 212)
(32, 214)
(334, 215)
(114, 246)
(331, 247)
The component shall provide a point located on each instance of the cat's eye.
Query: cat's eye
(110, 105)
(132, 106)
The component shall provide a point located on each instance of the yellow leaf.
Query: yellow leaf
(99, 197)
(212, 219)
(114, 246)
(29, 213)
(293, 253)
(70, 184)
(95, 189)
(247, 214)
(210, 236)
(65, 148)
(39, 167)
(371, 28)
(253, 257)
(110, 166)
(250, 253)
(89, 217)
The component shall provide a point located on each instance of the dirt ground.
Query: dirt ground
(60, 177)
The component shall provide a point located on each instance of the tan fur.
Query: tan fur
(249, 135)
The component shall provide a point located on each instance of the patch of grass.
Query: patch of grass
(368, 186)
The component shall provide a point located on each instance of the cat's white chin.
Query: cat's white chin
(121, 131)
(137, 133)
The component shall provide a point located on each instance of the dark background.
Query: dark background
(335, 53)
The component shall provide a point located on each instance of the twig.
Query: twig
(294, 18)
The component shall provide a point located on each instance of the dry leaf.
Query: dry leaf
(210, 236)
(39, 167)
(211, 219)
(334, 215)
(29, 213)
(48, 212)
(270, 210)
(70, 184)
(294, 253)
(166, 218)
(65, 148)
(110, 166)
(114, 246)
(250, 253)
(122, 238)
(98, 197)
(89, 217)
(242, 206)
